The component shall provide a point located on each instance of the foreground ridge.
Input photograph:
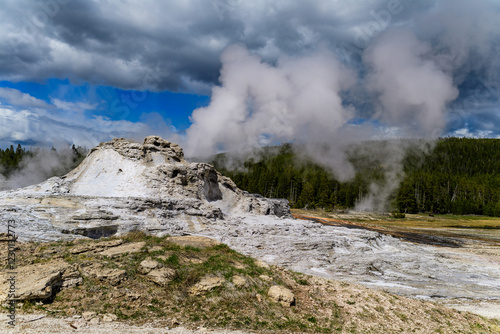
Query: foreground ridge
(140, 283)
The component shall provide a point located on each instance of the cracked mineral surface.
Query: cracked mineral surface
(123, 186)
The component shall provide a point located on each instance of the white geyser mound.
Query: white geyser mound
(123, 186)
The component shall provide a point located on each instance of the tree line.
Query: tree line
(456, 175)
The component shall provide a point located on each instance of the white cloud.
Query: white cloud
(18, 98)
(46, 128)
(73, 106)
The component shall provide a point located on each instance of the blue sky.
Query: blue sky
(115, 103)
(83, 72)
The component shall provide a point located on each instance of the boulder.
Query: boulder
(88, 247)
(108, 317)
(70, 278)
(41, 280)
(262, 264)
(110, 243)
(134, 247)
(147, 265)
(207, 283)
(281, 295)
(265, 278)
(161, 276)
(239, 281)
(87, 316)
(113, 276)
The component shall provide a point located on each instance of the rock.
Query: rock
(77, 324)
(117, 294)
(133, 296)
(110, 243)
(95, 215)
(88, 247)
(40, 281)
(93, 232)
(147, 265)
(71, 282)
(207, 283)
(239, 281)
(154, 249)
(113, 276)
(281, 295)
(262, 264)
(265, 278)
(162, 276)
(127, 248)
(108, 317)
(195, 258)
(70, 278)
(89, 315)
(194, 241)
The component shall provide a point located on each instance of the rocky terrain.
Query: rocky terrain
(123, 186)
(188, 284)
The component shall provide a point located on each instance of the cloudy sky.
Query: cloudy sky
(226, 74)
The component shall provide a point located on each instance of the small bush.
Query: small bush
(398, 215)
(134, 236)
(312, 319)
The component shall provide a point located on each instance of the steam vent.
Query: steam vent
(123, 186)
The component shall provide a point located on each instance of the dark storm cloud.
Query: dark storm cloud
(176, 45)
(118, 42)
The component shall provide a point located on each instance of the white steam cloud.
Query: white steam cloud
(300, 100)
(38, 167)
(413, 90)
(412, 94)
(258, 104)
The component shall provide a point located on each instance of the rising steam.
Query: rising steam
(300, 100)
(39, 166)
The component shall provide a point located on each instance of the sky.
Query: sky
(231, 74)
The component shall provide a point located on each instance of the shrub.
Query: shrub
(398, 215)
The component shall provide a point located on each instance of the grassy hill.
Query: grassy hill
(208, 284)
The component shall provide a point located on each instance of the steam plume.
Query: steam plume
(300, 100)
(39, 167)
(259, 104)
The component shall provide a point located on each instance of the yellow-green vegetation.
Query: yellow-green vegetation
(239, 301)
(468, 226)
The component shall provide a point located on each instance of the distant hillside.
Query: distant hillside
(458, 175)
